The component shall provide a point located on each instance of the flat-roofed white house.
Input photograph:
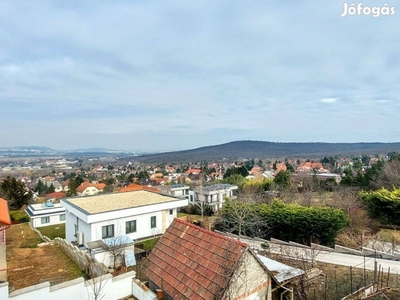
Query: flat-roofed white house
(176, 190)
(214, 195)
(45, 214)
(138, 215)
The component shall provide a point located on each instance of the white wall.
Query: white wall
(143, 228)
(72, 220)
(114, 288)
(54, 219)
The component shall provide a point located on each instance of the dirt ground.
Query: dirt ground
(30, 266)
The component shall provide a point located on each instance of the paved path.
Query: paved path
(338, 258)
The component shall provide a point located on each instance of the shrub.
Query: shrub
(19, 217)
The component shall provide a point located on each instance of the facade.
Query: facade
(138, 215)
(214, 195)
(176, 190)
(189, 262)
(45, 214)
(89, 189)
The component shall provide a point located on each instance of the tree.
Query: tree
(73, 184)
(239, 217)
(383, 204)
(282, 179)
(15, 192)
(389, 176)
(97, 284)
(40, 187)
(115, 246)
(50, 189)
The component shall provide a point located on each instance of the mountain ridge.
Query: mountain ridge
(265, 149)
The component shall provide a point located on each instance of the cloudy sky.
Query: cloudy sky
(173, 75)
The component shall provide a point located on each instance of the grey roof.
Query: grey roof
(218, 186)
(281, 271)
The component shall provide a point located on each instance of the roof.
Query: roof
(117, 201)
(189, 262)
(218, 187)
(4, 213)
(57, 195)
(138, 187)
(193, 171)
(83, 186)
(280, 271)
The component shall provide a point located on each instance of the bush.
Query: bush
(19, 217)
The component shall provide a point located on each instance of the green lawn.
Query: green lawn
(53, 231)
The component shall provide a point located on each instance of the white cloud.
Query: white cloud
(328, 100)
(253, 69)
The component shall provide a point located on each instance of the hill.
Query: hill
(271, 150)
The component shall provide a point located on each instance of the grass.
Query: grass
(31, 242)
(53, 231)
(389, 235)
(149, 244)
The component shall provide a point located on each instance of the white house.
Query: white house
(138, 215)
(176, 190)
(46, 214)
(214, 195)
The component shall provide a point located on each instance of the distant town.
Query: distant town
(242, 226)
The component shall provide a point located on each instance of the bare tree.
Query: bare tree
(116, 246)
(240, 218)
(97, 283)
(389, 177)
(353, 206)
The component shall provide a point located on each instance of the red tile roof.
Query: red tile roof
(4, 213)
(189, 262)
(57, 195)
(137, 187)
(193, 171)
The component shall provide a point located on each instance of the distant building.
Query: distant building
(45, 214)
(176, 190)
(214, 195)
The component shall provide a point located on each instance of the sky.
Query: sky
(174, 75)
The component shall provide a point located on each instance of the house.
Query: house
(189, 262)
(137, 187)
(57, 186)
(90, 189)
(138, 215)
(176, 190)
(193, 171)
(214, 195)
(45, 214)
(55, 197)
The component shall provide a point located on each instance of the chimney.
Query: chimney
(160, 294)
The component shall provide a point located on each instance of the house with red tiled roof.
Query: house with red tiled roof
(309, 167)
(189, 262)
(192, 171)
(138, 187)
(90, 189)
(55, 197)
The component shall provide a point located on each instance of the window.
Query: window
(45, 220)
(62, 217)
(107, 231)
(153, 223)
(171, 211)
(130, 226)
